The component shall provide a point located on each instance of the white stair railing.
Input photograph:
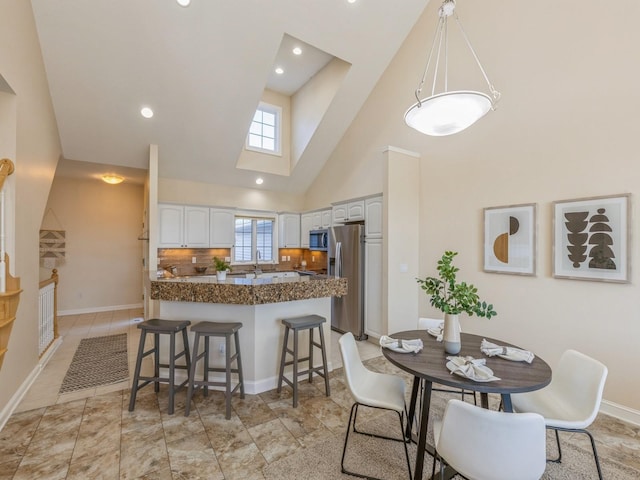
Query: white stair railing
(47, 314)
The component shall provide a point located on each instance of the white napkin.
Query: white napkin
(508, 353)
(472, 368)
(436, 332)
(402, 346)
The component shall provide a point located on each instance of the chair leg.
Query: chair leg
(227, 392)
(205, 374)
(185, 345)
(239, 364)
(352, 418)
(593, 447)
(310, 355)
(327, 387)
(295, 368)
(192, 375)
(595, 453)
(283, 357)
(136, 373)
(346, 440)
(156, 361)
(172, 371)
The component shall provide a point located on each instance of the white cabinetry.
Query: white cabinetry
(348, 212)
(373, 287)
(325, 218)
(306, 225)
(183, 226)
(373, 217)
(222, 223)
(289, 230)
(313, 221)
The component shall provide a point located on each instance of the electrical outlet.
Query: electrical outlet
(288, 258)
(313, 259)
(227, 259)
(284, 258)
(193, 259)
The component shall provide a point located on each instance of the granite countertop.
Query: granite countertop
(246, 291)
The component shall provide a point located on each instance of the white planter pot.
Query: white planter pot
(451, 334)
(221, 276)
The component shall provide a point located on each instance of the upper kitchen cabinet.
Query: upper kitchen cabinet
(373, 217)
(325, 218)
(183, 226)
(289, 230)
(306, 225)
(348, 212)
(222, 228)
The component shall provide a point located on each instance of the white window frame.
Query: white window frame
(277, 112)
(253, 216)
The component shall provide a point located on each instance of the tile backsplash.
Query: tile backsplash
(182, 259)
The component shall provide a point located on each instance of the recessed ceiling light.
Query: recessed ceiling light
(297, 51)
(183, 3)
(112, 179)
(259, 181)
(351, 1)
(146, 112)
(279, 71)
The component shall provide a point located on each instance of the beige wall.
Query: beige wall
(103, 264)
(566, 128)
(37, 149)
(196, 193)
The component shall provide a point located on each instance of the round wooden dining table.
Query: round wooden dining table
(429, 367)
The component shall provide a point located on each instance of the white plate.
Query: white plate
(453, 369)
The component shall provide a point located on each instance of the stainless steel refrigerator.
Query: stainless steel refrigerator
(345, 257)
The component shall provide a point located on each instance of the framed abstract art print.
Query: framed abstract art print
(591, 238)
(510, 239)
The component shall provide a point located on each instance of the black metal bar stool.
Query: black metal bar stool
(159, 327)
(216, 329)
(305, 322)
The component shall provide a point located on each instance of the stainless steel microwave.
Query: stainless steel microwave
(318, 240)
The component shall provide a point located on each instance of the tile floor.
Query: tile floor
(90, 434)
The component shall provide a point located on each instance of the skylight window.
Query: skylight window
(264, 133)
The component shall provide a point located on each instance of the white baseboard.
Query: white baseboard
(17, 397)
(620, 411)
(78, 311)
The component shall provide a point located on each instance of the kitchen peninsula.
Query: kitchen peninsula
(260, 304)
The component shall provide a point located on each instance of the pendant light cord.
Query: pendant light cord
(441, 30)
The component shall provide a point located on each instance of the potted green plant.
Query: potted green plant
(222, 267)
(452, 299)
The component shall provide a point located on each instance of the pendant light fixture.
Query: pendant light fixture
(112, 179)
(448, 112)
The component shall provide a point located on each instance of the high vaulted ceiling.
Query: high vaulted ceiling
(203, 70)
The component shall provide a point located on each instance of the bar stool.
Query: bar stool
(305, 322)
(216, 329)
(159, 327)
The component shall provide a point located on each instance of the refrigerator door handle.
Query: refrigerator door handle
(338, 267)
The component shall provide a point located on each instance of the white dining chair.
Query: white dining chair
(371, 389)
(571, 401)
(425, 323)
(483, 444)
